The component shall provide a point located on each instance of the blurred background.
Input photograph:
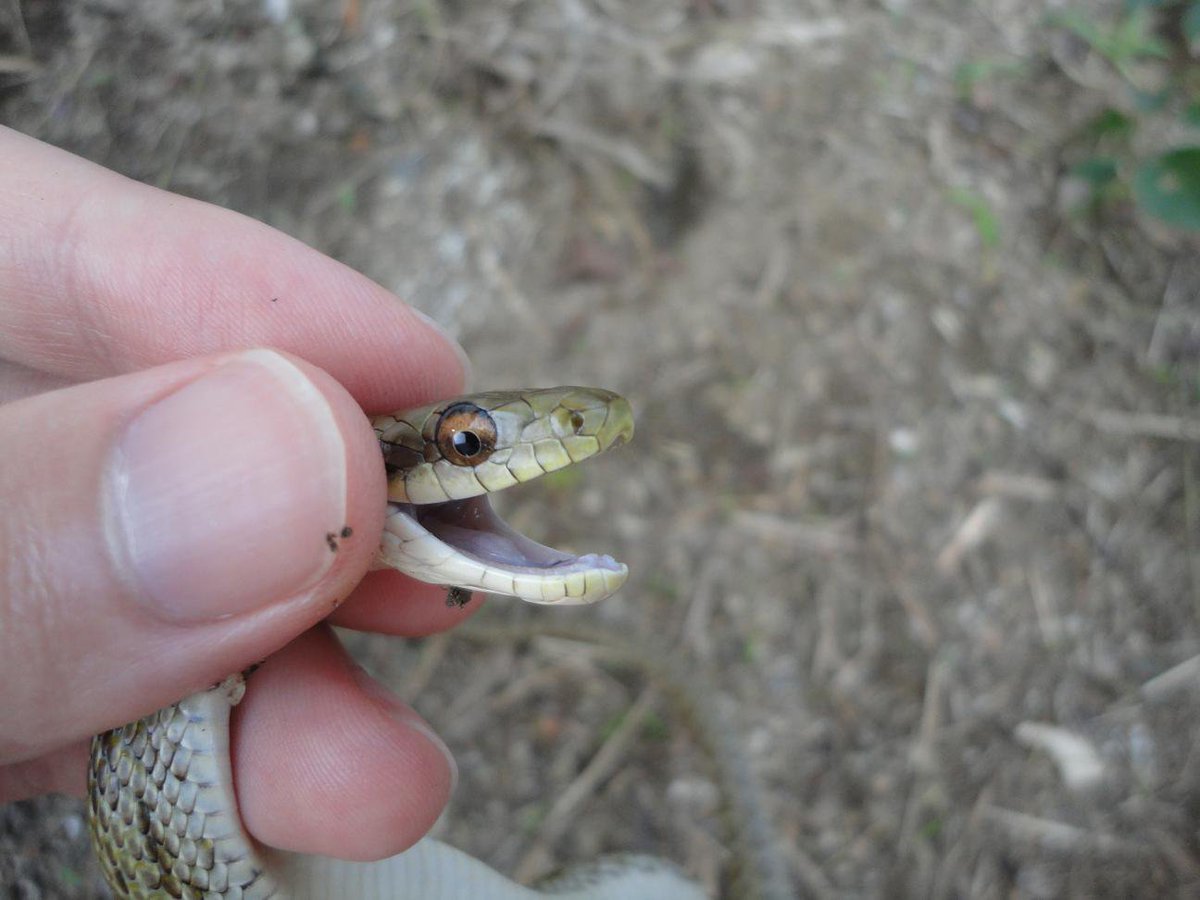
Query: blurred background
(905, 295)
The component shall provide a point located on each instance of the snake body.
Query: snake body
(162, 810)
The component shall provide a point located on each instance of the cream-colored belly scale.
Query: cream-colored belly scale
(162, 809)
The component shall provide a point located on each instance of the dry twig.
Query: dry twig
(1145, 425)
(601, 766)
(1059, 836)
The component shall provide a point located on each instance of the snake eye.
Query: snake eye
(466, 443)
(466, 434)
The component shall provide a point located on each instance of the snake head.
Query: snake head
(443, 460)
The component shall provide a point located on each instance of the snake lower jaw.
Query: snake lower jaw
(466, 544)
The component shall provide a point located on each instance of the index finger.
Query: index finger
(101, 275)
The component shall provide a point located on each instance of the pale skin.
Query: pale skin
(170, 499)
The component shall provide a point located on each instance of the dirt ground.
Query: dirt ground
(918, 453)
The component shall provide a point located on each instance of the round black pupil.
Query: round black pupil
(466, 443)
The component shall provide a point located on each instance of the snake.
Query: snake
(162, 812)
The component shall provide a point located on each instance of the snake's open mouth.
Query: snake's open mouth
(475, 530)
(444, 460)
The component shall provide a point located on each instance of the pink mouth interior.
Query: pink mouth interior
(472, 527)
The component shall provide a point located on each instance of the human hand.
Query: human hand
(167, 495)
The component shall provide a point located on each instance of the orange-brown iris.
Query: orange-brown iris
(466, 434)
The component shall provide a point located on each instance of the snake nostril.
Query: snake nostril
(577, 422)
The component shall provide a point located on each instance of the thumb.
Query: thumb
(164, 528)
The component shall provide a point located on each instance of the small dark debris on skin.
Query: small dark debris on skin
(457, 597)
(331, 537)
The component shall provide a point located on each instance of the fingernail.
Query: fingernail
(223, 491)
(404, 714)
(463, 359)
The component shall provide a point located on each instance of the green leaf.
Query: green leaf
(974, 72)
(654, 727)
(986, 223)
(750, 652)
(1134, 37)
(1151, 101)
(530, 818)
(931, 829)
(1191, 22)
(1191, 115)
(969, 74)
(1168, 187)
(1096, 171)
(1121, 43)
(1082, 25)
(1111, 123)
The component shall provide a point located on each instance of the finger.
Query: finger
(18, 382)
(62, 771)
(390, 602)
(165, 528)
(88, 290)
(317, 741)
(386, 601)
